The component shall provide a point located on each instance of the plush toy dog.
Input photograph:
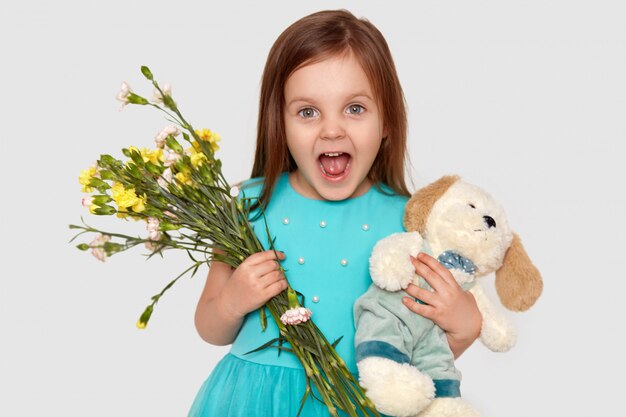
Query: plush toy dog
(404, 361)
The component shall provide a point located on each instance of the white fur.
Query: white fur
(497, 333)
(390, 266)
(449, 407)
(396, 389)
(454, 225)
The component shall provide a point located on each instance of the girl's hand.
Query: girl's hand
(448, 305)
(255, 281)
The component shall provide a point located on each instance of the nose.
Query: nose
(490, 221)
(332, 129)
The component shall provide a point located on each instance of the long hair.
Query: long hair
(312, 39)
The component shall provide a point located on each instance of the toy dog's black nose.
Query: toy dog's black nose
(490, 221)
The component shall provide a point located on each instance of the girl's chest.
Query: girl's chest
(327, 248)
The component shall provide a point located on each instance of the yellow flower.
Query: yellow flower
(208, 136)
(153, 156)
(85, 177)
(197, 158)
(184, 178)
(140, 205)
(127, 198)
(141, 324)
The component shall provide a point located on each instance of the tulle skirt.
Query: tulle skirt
(240, 388)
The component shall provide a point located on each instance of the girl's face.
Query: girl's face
(334, 128)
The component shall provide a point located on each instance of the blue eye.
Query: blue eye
(355, 109)
(308, 112)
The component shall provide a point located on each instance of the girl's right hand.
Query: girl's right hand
(255, 281)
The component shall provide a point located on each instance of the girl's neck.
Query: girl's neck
(301, 186)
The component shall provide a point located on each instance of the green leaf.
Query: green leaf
(334, 345)
(263, 318)
(83, 246)
(263, 346)
(146, 72)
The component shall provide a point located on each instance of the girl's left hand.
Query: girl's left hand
(448, 305)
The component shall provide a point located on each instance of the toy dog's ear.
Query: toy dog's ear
(418, 207)
(518, 281)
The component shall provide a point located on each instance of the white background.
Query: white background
(525, 98)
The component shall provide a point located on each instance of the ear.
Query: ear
(518, 281)
(418, 207)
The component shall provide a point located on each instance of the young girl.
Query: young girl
(329, 173)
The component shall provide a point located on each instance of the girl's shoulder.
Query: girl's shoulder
(252, 187)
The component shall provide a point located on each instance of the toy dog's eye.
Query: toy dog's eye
(472, 206)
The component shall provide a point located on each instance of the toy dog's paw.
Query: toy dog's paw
(395, 389)
(498, 334)
(449, 407)
(390, 266)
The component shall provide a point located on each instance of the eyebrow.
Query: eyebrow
(310, 100)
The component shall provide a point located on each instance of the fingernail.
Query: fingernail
(412, 258)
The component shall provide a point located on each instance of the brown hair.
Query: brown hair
(312, 39)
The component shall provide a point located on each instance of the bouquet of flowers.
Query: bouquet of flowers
(187, 204)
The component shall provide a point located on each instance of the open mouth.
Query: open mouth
(335, 165)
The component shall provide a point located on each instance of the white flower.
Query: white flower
(296, 315)
(96, 246)
(165, 178)
(152, 227)
(123, 94)
(87, 202)
(234, 191)
(157, 98)
(171, 158)
(163, 134)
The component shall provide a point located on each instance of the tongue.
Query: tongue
(335, 165)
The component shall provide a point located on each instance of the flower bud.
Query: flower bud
(145, 317)
(146, 72)
(174, 145)
(83, 246)
(135, 99)
(104, 211)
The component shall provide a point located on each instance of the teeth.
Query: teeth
(333, 153)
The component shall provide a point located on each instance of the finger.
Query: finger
(270, 278)
(432, 278)
(276, 288)
(422, 294)
(437, 267)
(260, 257)
(264, 268)
(423, 310)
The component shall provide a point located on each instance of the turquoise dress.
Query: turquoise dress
(327, 246)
